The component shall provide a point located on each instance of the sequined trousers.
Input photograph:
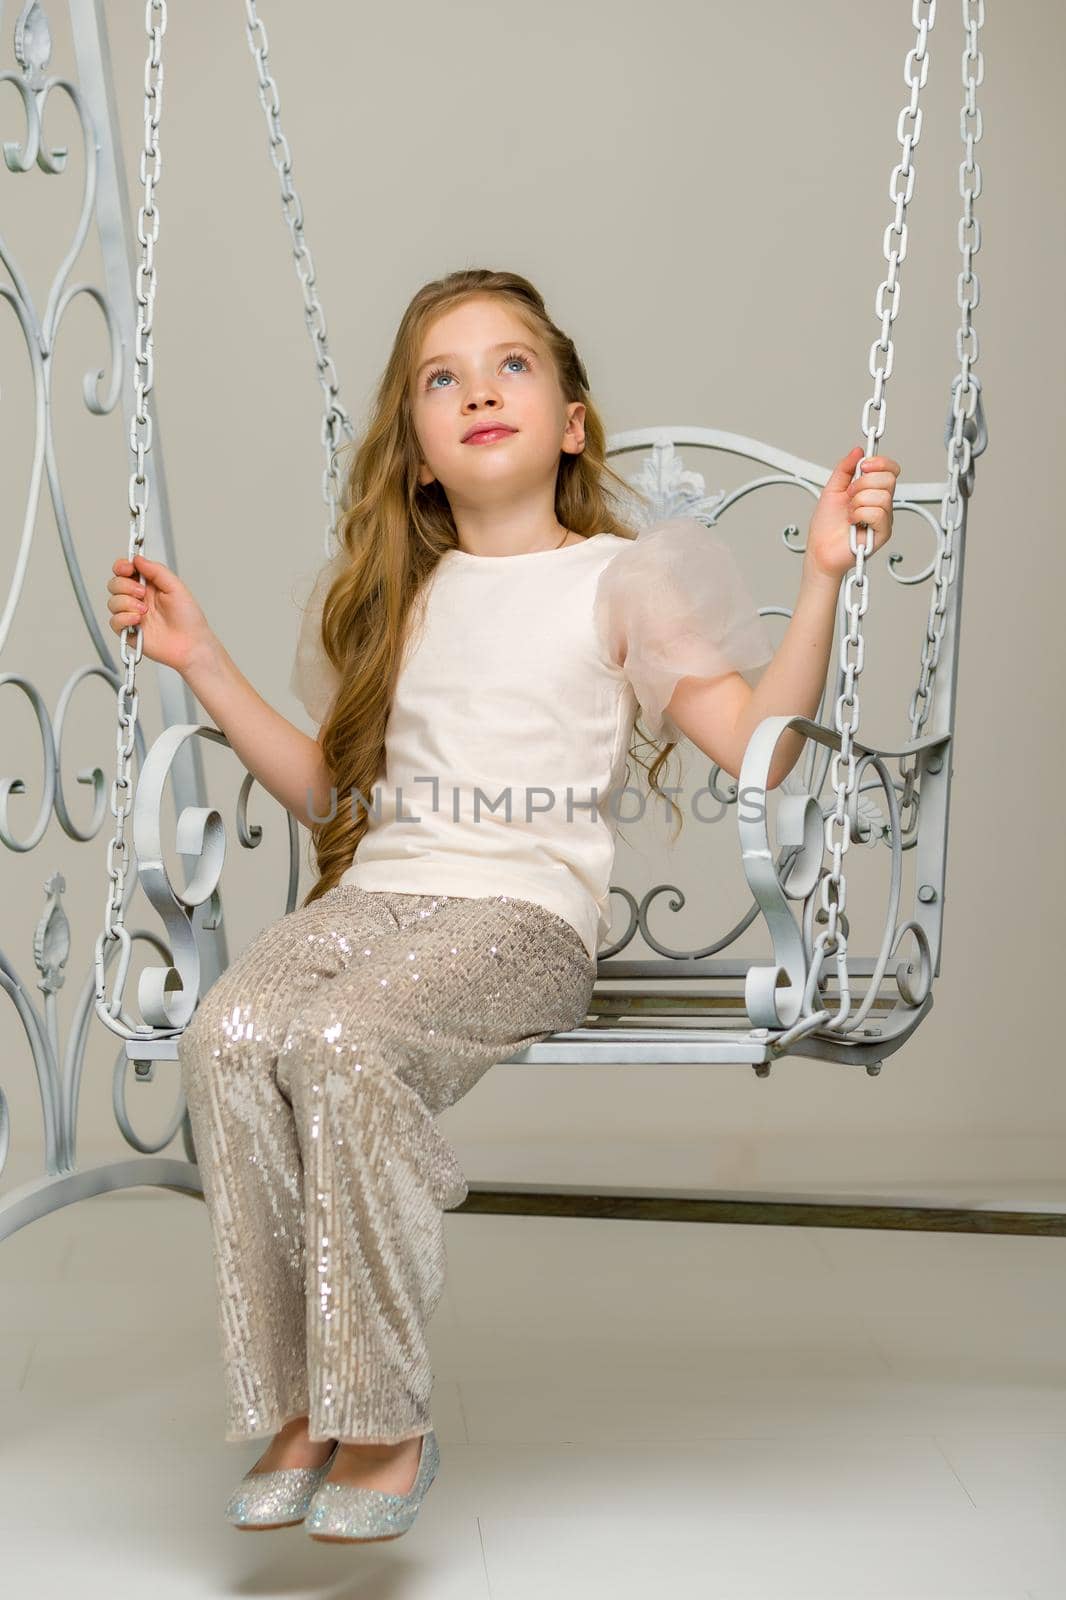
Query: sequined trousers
(314, 1069)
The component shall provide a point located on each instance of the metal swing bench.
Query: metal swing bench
(801, 1002)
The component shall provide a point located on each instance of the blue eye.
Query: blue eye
(443, 372)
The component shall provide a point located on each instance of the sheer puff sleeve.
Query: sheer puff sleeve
(313, 679)
(675, 604)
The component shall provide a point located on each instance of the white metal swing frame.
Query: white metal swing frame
(800, 1003)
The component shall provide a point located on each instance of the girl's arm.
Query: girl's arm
(174, 631)
(288, 763)
(720, 715)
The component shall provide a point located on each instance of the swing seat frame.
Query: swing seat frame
(640, 1014)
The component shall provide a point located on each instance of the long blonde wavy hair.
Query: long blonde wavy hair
(395, 530)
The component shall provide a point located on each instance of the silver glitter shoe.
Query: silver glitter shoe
(276, 1499)
(342, 1513)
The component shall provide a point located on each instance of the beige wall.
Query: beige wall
(701, 193)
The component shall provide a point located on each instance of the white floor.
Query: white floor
(625, 1410)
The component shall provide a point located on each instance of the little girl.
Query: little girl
(475, 658)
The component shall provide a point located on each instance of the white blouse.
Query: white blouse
(512, 717)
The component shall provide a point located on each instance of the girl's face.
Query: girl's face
(481, 365)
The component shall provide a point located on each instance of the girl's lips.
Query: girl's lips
(489, 435)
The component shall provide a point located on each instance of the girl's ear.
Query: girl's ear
(574, 432)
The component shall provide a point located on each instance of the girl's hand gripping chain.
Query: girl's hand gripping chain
(173, 627)
(865, 500)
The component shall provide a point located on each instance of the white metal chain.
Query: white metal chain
(336, 427)
(140, 444)
(832, 940)
(336, 423)
(965, 403)
(965, 398)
